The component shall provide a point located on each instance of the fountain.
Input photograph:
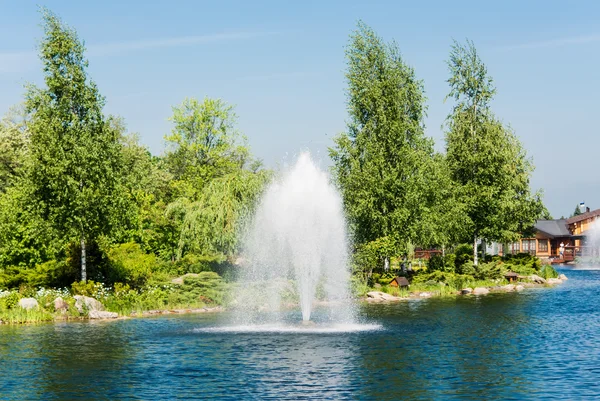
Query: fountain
(297, 248)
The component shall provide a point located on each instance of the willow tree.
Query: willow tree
(382, 163)
(486, 160)
(75, 151)
(216, 182)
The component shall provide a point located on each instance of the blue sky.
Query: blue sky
(282, 63)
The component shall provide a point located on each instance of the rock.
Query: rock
(480, 291)
(554, 281)
(519, 288)
(537, 279)
(60, 304)
(98, 314)
(425, 294)
(562, 277)
(508, 288)
(28, 303)
(90, 304)
(466, 291)
(377, 285)
(381, 296)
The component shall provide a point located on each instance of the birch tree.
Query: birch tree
(486, 160)
(75, 150)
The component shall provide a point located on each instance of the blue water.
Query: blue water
(538, 344)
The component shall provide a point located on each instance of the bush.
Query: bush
(207, 287)
(466, 268)
(464, 254)
(88, 288)
(130, 264)
(548, 272)
(10, 300)
(52, 273)
(488, 271)
(442, 263)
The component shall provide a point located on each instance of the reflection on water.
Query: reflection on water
(538, 344)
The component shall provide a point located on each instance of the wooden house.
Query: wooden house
(572, 233)
(401, 282)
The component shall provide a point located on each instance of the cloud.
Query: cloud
(127, 46)
(575, 40)
(11, 62)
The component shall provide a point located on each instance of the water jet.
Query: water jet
(296, 247)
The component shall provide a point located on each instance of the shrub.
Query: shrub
(52, 273)
(10, 300)
(88, 288)
(464, 254)
(130, 264)
(548, 271)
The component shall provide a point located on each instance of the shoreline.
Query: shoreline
(372, 297)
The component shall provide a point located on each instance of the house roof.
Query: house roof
(402, 281)
(583, 216)
(553, 228)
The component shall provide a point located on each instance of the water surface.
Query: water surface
(538, 344)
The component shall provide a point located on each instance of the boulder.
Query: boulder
(480, 291)
(28, 303)
(508, 287)
(90, 304)
(377, 285)
(425, 294)
(554, 281)
(466, 291)
(97, 314)
(519, 288)
(562, 277)
(537, 279)
(381, 296)
(60, 304)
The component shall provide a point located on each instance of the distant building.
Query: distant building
(577, 234)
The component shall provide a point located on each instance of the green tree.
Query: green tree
(486, 160)
(216, 182)
(203, 144)
(75, 150)
(577, 211)
(383, 162)
(14, 147)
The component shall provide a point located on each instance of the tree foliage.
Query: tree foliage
(487, 162)
(384, 163)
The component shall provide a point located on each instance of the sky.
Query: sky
(281, 64)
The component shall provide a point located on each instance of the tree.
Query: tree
(216, 183)
(203, 144)
(75, 150)
(486, 160)
(14, 147)
(577, 211)
(383, 162)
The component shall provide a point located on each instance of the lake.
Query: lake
(537, 344)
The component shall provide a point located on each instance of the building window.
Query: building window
(543, 245)
(515, 247)
(529, 246)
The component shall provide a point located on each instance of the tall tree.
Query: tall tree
(75, 149)
(203, 144)
(486, 159)
(216, 181)
(14, 147)
(382, 162)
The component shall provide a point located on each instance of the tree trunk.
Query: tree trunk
(83, 264)
(475, 250)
